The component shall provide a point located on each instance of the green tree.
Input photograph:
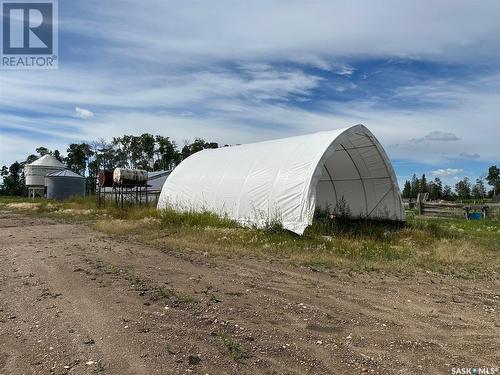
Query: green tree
(135, 151)
(147, 145)
(78, 156)
(57, 155)
(185, 152)
(30, 159)
(478, 190)
(407, 190)
(120, 153)
(4, 171)
(493, 178)
(13, 179)
(166, 153)
(463, 188)
(415, 186)
(435, 189)
(422, 186)
(103, 155)
(198, 145)
(448, 193)
(42, 151)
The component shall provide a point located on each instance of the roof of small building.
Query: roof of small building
(158, 174)
(47, 161)
(64, 173)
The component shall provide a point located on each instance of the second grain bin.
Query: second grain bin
(64, 184)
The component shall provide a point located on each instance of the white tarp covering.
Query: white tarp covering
(344, 171)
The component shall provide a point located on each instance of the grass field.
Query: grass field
(469, 249)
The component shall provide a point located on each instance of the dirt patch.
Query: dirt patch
(23, 206)
(76, 301)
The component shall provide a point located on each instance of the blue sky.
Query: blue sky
(424, 77)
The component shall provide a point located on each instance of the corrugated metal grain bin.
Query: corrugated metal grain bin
(36, 172)
(64, 184)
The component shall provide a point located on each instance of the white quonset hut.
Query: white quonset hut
(36, 172)
(287, 179)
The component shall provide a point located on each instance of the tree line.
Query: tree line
(147, 151)
(156, 152)
(463, 189)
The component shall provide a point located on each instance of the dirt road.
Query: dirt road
(74, 301)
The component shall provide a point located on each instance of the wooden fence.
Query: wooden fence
(456, 210)
(448, 210)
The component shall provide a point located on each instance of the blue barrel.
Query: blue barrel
(475, 216)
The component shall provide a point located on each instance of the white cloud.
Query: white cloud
(83, 113)
(446, 172)
(186, 89)
(172, 90)
(189, 33)
(468, 155)
(345, 71)
(438, 136)
(238, 103)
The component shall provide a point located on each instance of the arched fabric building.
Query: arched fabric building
(344, 171)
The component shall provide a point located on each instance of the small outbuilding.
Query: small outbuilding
(64, 184)
(344, 172)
